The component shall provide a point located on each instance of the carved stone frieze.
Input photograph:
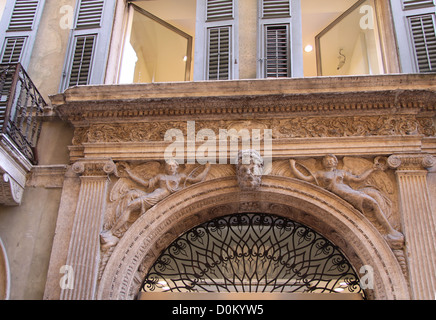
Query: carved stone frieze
(296, 127)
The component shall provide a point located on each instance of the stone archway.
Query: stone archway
(317, 208)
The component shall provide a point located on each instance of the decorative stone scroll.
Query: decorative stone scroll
(419, 221)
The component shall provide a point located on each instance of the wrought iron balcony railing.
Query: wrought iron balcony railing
(21, 109)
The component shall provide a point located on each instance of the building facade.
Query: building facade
(217, 147)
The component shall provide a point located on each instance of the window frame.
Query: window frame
(400, 16)
(201, 55)
(295, 45)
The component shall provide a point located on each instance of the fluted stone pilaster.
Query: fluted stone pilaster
(84, 247)
(419, 222)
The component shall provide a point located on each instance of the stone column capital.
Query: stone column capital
(411, 162)
(95, 167)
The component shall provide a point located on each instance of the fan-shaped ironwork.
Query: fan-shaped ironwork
(252, 253)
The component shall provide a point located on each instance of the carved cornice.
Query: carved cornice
(249, 106)
(411, 162)
(94, 167)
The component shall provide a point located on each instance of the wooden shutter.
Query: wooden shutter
(23, 16)
(90, 14)
(415, 4)
(13, 49)
(415, 29)
(18, 31)
(277, 51)
(275, 39)
(82, 60)
(89, 43)
(424, 41)
(276, 8)
(219, 53)
(219, 10)
(218, 26)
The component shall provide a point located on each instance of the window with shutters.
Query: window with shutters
(277, 58)
(13, 47)
(215, 33)
(424, 41)
(415, 4)
(415, 29)
(82, 60)
(276, 8)
(219, 53)
(89, 41)
(23, 16)
(18, 30)
(275, 38)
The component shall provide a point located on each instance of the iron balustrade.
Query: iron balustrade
(21, 109)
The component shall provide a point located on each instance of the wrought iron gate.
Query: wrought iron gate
(252, 253)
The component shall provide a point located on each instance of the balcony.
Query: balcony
(21, 110)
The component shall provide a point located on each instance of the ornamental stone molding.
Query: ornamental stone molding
(84, 244)
(294, 199)
(13, 171)
(409, 162)
(419, 220)
(384, 122)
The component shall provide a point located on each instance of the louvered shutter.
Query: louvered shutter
(276, 8)
(275, 38)
(415, 4)
(424, 41)
(219, 53)
(415, 20)
(219, 10)
(18, 30)
(12, 50)
(89, 43)
(214, 40)
(277, 64)
(82, 60)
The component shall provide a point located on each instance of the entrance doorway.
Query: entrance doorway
(251, 253)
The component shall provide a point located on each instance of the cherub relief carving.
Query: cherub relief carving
(141, 188)
(369, 200)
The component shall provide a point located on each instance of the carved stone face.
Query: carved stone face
(330, 161)
(249, 169)
(171, 167)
